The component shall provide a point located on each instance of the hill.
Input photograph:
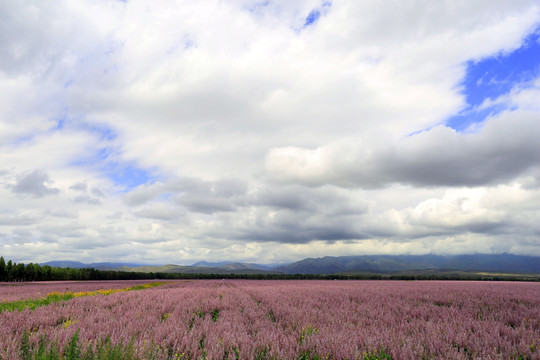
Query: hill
(387, 264)
(225, 269)
(370, 264)
(233, 265)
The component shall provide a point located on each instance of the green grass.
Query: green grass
(57, 297)
(377, 355)
(35, 303)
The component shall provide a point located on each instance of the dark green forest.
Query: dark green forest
(19, 272)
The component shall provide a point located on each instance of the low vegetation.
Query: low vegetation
(56, 296)
(364, 320)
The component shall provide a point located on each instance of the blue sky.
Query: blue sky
(494, 76)
(268, 131)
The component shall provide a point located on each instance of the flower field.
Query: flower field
(243, 319)
(34, 290)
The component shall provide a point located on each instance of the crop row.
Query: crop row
(287, 320)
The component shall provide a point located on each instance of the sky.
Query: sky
(268, 131)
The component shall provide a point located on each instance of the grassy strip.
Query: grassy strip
(58, 296)
(34, 303)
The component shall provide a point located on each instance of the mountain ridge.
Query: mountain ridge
(504, 263)
(379, 264)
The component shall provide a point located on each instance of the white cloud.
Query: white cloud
(436, 157)
(260, 139)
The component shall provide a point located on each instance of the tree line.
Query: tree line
(18, 272)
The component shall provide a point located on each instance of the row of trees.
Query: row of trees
(16, 272)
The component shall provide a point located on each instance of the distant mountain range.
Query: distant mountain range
(499, 263)
(379, 264)
(236, 265)
(201, 267)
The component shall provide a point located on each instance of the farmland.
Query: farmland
(244, 319)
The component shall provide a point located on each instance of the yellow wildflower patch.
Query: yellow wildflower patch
(69, 322)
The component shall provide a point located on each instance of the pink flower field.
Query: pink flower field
(244, 319)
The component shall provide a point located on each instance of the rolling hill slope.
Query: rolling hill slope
(501, 263)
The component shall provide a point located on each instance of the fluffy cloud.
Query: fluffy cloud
(436, 157)
(262, 131)
(35, 183)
